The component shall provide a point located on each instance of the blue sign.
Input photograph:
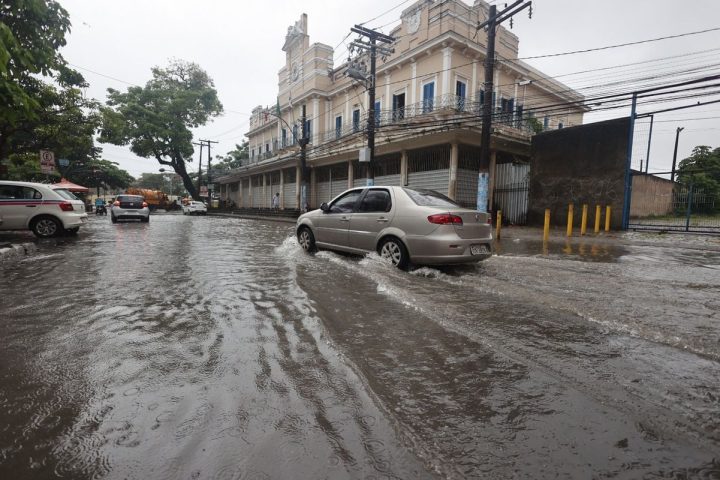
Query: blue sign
(482, 193)
(370, 182)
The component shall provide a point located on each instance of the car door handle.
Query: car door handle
(344, 219)
(31, 206)
(383, 220)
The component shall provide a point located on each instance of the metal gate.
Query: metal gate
(685, 205)
(289, 192)
(511, 192)
(245, 193)
(257, 191)
(430, 168)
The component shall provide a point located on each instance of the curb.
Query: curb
(254, 217)
(16, 252)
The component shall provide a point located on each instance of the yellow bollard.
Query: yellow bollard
(598, 212)
(570, 220)
(546, 229)
(499, 224)
(583, 221)
(607, 218)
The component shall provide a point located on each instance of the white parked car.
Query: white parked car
(197, 208)
(38, 207)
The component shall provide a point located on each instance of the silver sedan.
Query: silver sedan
(403, 225)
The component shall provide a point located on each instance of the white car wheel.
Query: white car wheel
(395, 252)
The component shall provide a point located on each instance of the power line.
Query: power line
(621, 44)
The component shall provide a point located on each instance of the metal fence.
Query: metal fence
(659, 204)
(511, 192)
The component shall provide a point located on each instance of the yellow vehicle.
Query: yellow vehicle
(154, 198)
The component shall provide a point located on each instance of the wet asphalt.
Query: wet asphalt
(214, 348)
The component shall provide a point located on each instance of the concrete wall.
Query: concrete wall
(582, 164)
(651, 195)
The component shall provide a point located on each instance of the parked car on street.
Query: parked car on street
(38, 207)
(403, 225)
(129, 207)
(195, 208)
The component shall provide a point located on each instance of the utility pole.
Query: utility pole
(209, 180)
(372, 48)
(494, 19)
(677, 138)
(199, 180)
(303, 162)
(647, 157)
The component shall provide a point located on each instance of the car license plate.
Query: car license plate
(479, 250)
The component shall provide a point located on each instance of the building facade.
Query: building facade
(428, 106)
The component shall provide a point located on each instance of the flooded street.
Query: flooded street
(214, 348)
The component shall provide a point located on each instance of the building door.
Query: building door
(428, 96)
(398, 107)
(460, 88)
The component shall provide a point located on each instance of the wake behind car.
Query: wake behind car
(38, 207)
(403, 225)
(194, 207)
(129, 207)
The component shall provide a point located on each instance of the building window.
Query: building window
(460, 88)
(560, 125)
(252, 153)
(308, 130)
(267, 147)
(356, 120)
(283, 138)
(295, 134)
(377, 113)
(338, 126)
(428, 97)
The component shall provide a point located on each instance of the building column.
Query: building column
(473, 85)
(491, 181)
(413, 86)
(347, 119)
(445, 88)
(452, 186)
(298, 184)
(240, 193)
(282, 189)
(264, 191)
(387, 103)
(403, 168)
(250, 193)
(316, 121)
(312, 195)
(351, 174)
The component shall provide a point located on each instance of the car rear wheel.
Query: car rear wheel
(72, 231)
(306, 239)
(45, 227)
(394, 251)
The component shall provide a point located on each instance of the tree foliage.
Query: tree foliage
(156, 120)
(31, 32)
(702, 170)
(233, 160)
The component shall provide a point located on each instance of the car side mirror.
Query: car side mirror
(324, 207)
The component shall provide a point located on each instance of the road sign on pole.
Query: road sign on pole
(47, 161)
(203, 191)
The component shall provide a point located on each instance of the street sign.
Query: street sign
(203, 191)
(364, 154)
(47, 161)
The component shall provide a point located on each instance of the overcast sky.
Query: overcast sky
(115, 43)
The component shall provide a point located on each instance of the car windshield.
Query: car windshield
(130, 198)
(429, 198)
(198, 204)
(66, 194)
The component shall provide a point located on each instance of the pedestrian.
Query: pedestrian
(276, 201)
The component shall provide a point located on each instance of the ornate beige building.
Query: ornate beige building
(429, 96)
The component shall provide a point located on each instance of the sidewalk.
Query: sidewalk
(255, 217)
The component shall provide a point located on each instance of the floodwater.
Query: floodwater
(214, 348)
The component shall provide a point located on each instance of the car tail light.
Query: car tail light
(66, 206)
(116, 203)
(144, 205)
(445, 219)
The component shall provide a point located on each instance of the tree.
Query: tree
(702, 170)
(155, 120)
(31, 32)
(233, 160)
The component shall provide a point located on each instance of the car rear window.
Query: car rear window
(129, 198)
(429, 198)
(66, 194)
